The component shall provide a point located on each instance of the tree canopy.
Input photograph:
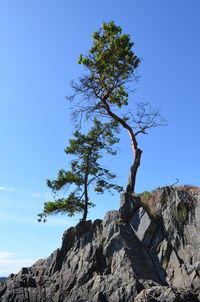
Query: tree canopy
(85, 171)
(105, 88)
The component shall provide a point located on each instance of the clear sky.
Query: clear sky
(40, 44)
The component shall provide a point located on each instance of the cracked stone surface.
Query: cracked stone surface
(129, 256)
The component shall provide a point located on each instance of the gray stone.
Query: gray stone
(129, 256)
(128, 204)
(165, 294)
(24, 270)
(143, 226)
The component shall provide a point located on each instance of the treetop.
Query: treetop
(111, 63)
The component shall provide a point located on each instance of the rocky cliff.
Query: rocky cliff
(149, 250)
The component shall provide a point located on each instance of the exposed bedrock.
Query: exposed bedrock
(149, 250)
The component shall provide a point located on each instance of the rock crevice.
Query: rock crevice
(134, 254)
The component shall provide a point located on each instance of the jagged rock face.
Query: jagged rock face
(165, 294)
(2, 279)
(176, 242)
(131, 255)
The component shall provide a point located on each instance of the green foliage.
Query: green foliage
(145, 193)
(111, 67)
(148, 194)
(85, 170)
(182, 213)
(110, 63)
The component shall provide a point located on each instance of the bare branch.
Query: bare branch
(111, 68)
(145, 118)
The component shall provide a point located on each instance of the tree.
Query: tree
(85, 171)
(111, 67)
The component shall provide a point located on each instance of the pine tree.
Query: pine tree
(111, 67)
(85, 171)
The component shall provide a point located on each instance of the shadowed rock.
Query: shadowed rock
(129, 256)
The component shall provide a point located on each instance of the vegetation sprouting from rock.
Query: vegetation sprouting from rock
(85, 171)
(105, 88)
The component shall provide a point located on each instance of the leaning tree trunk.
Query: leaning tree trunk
(137, 152)
(130, 188)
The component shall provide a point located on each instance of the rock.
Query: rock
(143, 226)
(165, 294)
(128, 205)
(177, 251)
(131, 255)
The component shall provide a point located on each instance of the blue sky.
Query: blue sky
(40, 44)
